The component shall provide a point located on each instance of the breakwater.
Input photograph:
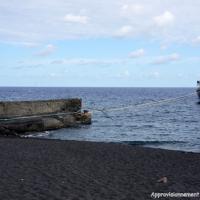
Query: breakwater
(19, 117)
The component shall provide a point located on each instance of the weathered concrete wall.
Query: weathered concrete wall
(20, 117)
(24, 108)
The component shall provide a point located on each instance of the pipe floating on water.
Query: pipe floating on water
(20, 117)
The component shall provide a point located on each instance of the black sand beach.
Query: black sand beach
(60, 170)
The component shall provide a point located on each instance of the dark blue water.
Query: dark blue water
(174, 125)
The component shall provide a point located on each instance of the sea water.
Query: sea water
(170, 125)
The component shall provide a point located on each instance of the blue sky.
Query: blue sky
(117, 43)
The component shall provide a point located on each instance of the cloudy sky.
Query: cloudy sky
(116, 43)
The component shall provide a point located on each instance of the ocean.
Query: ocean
(170, 125)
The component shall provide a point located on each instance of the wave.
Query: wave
(154, 142)
(38, 134)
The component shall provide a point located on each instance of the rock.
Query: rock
(163, 180)
(52, 123)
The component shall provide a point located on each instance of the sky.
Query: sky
(108, 43)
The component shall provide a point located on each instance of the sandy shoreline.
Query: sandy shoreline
(52, 169)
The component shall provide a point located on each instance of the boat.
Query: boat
(198, 89)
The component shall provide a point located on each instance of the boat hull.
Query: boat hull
(198, 92)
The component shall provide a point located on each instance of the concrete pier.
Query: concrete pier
(20, 117)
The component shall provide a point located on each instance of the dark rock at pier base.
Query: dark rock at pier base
(7, 132)
(69, 170)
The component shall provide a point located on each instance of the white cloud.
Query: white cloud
(124, 74)
(166, 59)
(49, 49)
(136, 54)
(89, 61)
(29, 44)
(70, 18)
(180, 75)
(57, 62)
(196, 40)
(24, 44)
(165, 19)
(37, 21)
(153, 75)
(71, 63)
(124, 31)
(163, 47)
(55, 75)
(132, 9)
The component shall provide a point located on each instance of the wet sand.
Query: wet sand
(70, 170)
